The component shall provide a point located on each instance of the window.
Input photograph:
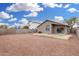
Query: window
(59, 30)
(47, 28)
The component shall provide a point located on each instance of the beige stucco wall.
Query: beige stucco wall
(63, 31)
(43, 27)
(55, 29)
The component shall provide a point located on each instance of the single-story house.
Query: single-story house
(33, 25)
(49, 26)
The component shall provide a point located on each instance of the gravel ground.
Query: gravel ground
(30, 45)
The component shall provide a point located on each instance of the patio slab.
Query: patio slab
(57, 36)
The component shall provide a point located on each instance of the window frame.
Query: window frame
(47, 28)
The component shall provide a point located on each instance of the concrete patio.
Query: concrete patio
(57, 36)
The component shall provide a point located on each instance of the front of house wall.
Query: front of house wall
(64, 29)
(52, 29)
(42, 28)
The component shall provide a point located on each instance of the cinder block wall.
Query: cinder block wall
(14, 31)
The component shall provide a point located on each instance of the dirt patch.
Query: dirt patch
(29, 44)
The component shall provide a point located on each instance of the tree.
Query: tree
(12, 28)
(3, 26)
(25, 27)
(72, 20)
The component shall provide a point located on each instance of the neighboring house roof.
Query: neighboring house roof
(33, 25)
(53, 22)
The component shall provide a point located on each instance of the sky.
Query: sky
(14, 14)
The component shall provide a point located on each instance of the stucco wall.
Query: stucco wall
(63, 31)
(43, 27)
(55, 29)
(52, 29)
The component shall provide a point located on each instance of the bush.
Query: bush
(25, 27)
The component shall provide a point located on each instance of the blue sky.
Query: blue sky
(12, 13)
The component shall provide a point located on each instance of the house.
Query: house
(49, 26)
(33, 25)
(30, 25)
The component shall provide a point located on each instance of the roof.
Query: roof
(34, 22)
(53, 22)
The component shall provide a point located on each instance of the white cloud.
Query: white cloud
(16, 24)
(4, 24)
(12, 19)
(67, 5)
(25, 7)
(34, 8)
(4, 15)
(72, 10)
(52, 5)
(11, 16)
(24, 21)
(58, 18)
(32, 14)
(21, 23)
(7, 24)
